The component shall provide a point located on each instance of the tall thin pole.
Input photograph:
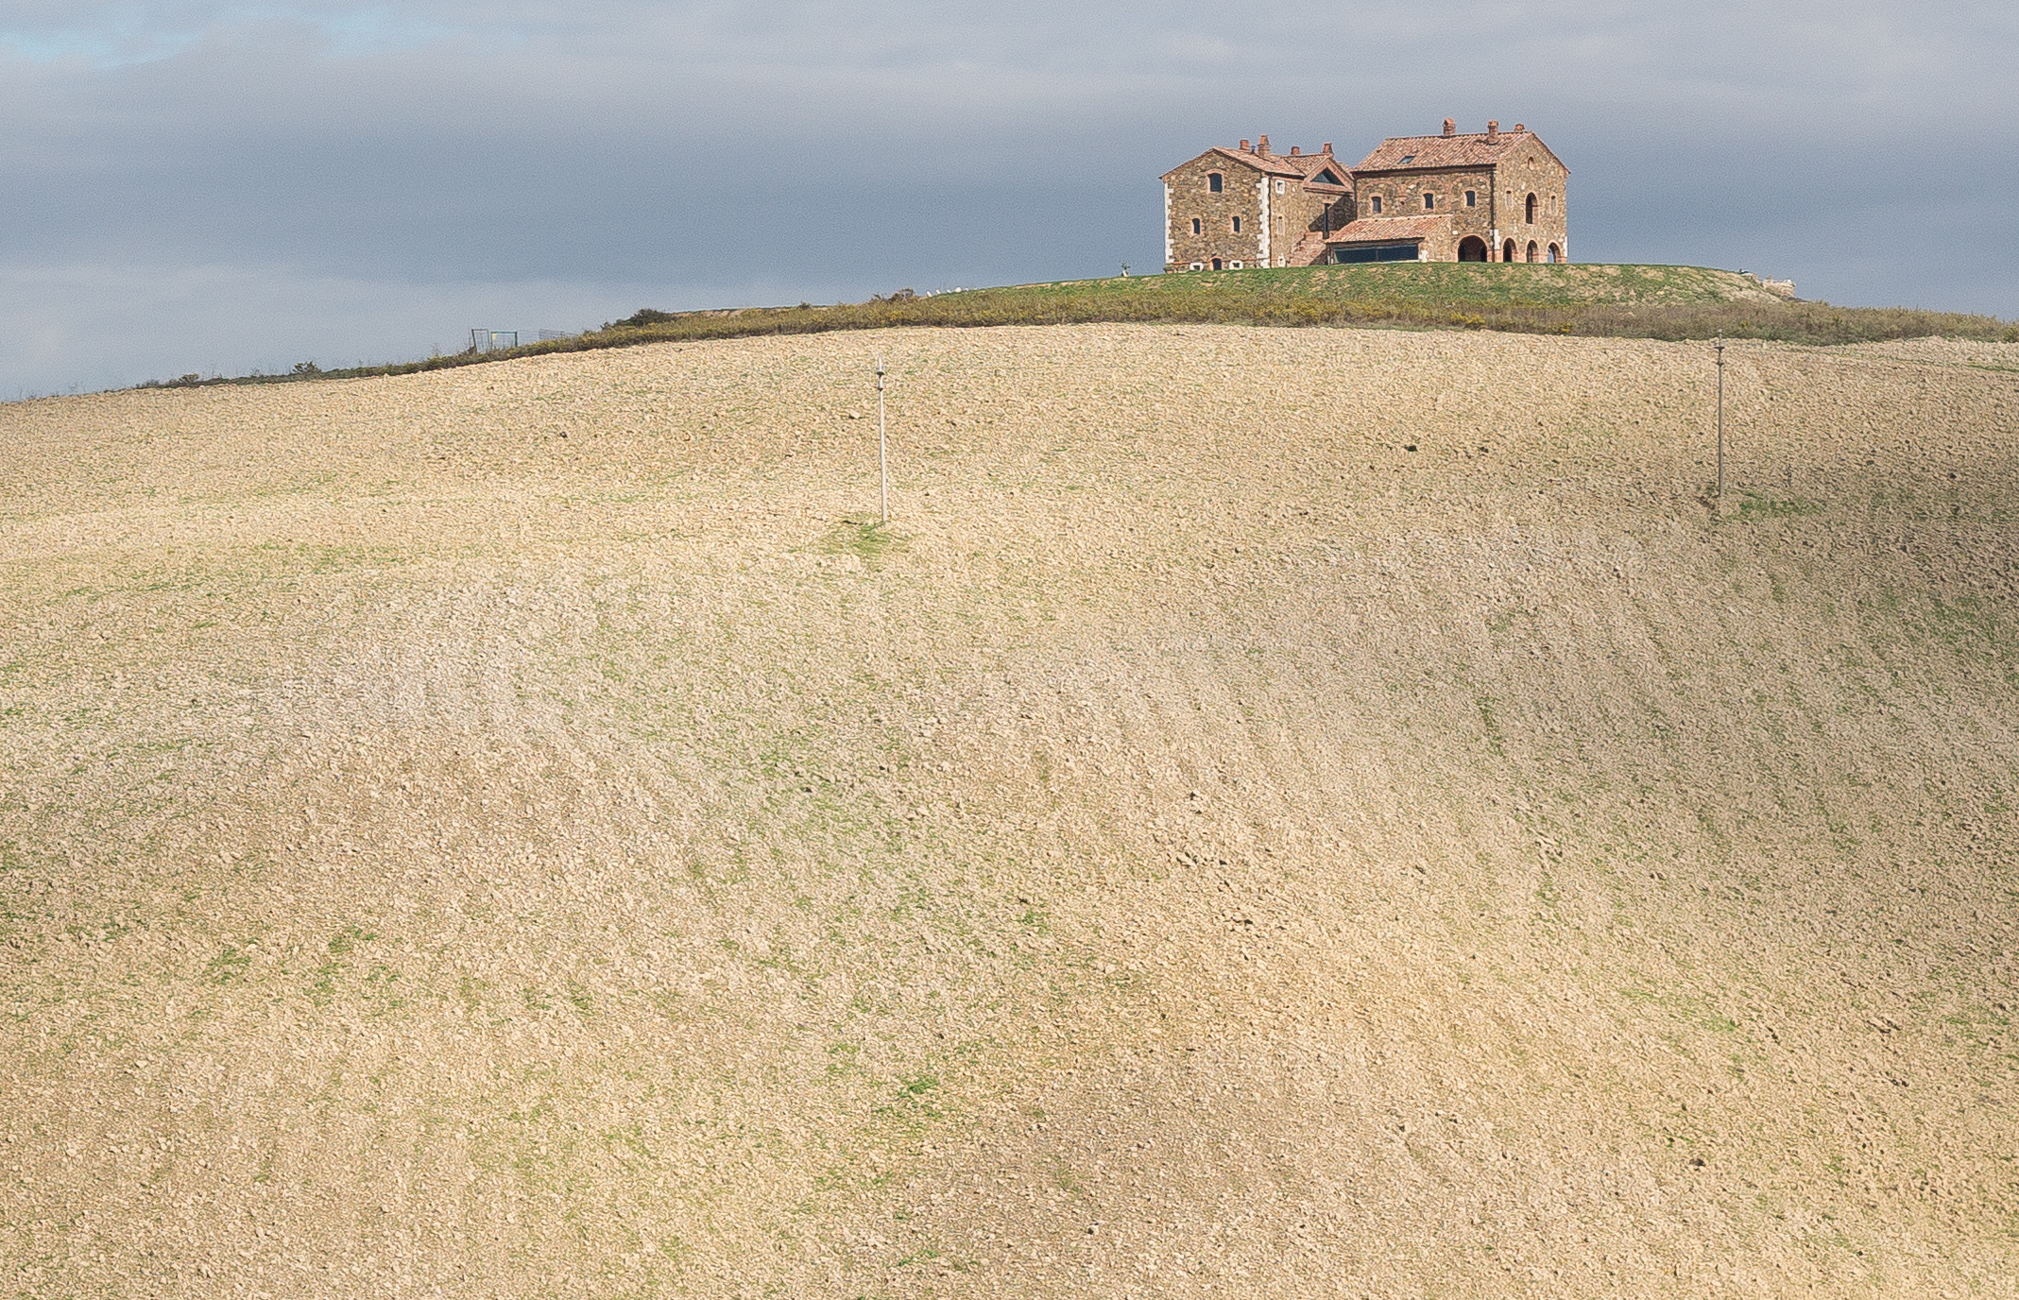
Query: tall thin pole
(1720, 346)
(883, 447)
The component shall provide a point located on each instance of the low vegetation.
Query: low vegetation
(1593, 300)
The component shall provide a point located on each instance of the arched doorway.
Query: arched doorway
(1217, 264)
(1533, 252)
(1507, 253)
(1555, 253)
(1472, 249)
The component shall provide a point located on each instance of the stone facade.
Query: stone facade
(1265, 206)
(1489, 197)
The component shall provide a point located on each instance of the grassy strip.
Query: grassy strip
(1656, 302)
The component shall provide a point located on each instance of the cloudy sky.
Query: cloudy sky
(216, 187)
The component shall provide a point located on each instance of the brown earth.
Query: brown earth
(1278, 812)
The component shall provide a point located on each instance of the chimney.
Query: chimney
(1294, 151)
(1492, 132)
(1519, 128)
(1450, 127)
(1244, 146)
(1262, 145)
(1327, 150)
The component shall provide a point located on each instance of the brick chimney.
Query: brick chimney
(1262, 145)
(1519, 128)
(1450, 127)
(1294, 151)
(1327, 150)
(1492, 132)
(1244, 146)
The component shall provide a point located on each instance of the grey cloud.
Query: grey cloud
(292, 164)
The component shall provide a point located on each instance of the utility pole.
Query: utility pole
(1719, 344)
(883, 446)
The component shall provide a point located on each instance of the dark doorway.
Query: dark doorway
(1507, 253)
(1472, 249)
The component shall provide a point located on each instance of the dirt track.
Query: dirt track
(516, 831)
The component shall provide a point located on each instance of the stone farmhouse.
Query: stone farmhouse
(1497, 196)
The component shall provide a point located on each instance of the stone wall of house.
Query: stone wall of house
(1189, 197)
(1304, 214)
(1526, 171)
(1402, 194)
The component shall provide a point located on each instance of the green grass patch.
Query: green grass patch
(1755, 506)
(866, 538)
(1589, 299)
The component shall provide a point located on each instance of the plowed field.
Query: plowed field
(1276, 812)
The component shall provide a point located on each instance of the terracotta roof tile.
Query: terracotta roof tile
(1389, 229)
(1411, 152)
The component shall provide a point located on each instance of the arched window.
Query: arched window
(1237, 225)
(1532, 251)
(1213, 182)
(1555, 253)
(1195, 225)
(1531, 207)
(1507, 251)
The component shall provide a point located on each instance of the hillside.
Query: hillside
(1295, 812)
(1593, 300)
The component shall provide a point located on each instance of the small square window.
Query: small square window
(1279, 187)
(1471, 198)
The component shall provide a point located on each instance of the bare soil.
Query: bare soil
(1300, 813)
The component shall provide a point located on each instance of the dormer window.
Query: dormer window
(1214, 182)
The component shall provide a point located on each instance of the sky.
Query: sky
(192, 187)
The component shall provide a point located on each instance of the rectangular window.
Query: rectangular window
(1279, 187)
(1237, 225)
(1375, 253)
(1429, 202)
(1195, 225)
(1471, 198)
(1213, 182)
(1376, 202)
